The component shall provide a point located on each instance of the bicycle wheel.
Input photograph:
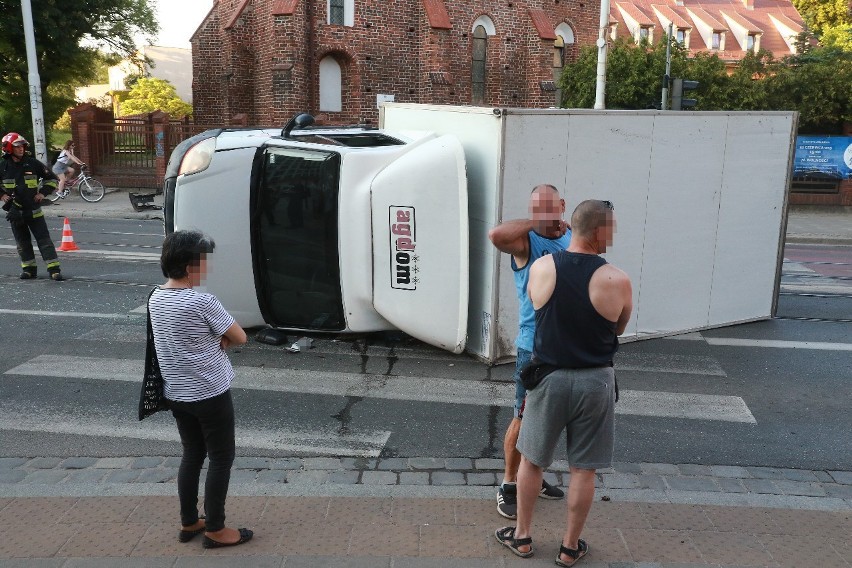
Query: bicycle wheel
(91, 190)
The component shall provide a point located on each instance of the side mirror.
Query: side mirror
(302, 120)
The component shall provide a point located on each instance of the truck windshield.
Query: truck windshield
(294, 238)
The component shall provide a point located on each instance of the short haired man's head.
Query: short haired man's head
(594, 221)
(546, 209)
(182, 250)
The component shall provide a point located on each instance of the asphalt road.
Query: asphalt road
(72, 359)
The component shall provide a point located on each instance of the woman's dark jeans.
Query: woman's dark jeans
(206, 429)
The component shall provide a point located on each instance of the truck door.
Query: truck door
(420, 243)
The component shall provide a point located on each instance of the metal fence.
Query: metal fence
(125, 151)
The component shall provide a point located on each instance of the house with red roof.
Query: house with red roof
(728, 28)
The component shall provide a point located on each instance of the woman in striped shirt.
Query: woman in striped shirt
(191, 332)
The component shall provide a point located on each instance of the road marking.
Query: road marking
(793, 267)
(816, 289)
(778, 344)
(664, 363)
(693, 336)
(143, 309)
(321, 441)
(684, 405)
(423, 389)
(111, 254)
(65, 314)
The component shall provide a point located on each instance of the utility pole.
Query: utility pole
(40, 142)
(600, 86)
(665, 102)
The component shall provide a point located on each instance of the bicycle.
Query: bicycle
(90, 189)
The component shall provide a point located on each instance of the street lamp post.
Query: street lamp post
(600, 86)
(37, 112)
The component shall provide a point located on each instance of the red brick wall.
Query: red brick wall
(842, 197)
(267, 66)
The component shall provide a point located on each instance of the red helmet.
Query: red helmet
(13, 139)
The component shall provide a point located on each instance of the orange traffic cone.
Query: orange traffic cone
(68, 243)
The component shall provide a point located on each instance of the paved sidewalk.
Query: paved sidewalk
(420, 512)
(809, 224)
(414, 533)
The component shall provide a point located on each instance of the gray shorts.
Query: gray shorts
(60, 168)
(580, 401)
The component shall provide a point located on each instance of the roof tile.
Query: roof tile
(437, 14)
(542, 24)
(284, 7)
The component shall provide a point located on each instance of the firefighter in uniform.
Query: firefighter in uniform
(22, 198)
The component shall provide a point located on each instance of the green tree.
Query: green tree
(635, 76)
(829, 20)
(815, 83)
(148, 95)
(71, 38)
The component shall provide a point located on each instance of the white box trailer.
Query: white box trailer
(700, 199)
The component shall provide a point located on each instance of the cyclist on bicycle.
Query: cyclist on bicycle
(62, 168)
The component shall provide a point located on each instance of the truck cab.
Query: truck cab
(330, 229)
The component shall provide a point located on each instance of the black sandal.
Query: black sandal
(245, 536)
(506, 537)
(186, 536)
(581, 551)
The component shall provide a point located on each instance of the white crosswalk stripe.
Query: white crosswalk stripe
(424, 389)
(319, 442)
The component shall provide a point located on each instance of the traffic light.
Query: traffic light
(678, 87)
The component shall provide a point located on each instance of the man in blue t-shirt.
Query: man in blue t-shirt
(527, 240)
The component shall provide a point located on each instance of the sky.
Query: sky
(178, 20)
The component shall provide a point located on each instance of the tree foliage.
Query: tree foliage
(73, 40)
(816, 83)
(148, 95)
(829, 20)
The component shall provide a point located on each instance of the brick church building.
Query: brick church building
(259, 62)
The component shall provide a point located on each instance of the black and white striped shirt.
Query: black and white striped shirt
(187, 328)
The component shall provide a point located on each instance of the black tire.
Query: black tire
(91, 190)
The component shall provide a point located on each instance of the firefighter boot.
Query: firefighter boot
(28, 273)
(56, 275)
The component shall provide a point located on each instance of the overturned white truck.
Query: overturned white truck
(352, 230)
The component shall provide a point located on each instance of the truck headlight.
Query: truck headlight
(197, 158)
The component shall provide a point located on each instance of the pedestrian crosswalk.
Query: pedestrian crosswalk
(814, 278)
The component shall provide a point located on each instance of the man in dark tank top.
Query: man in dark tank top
(582, 304)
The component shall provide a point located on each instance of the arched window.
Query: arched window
(478, 67)
(564, 39)
(331, 85)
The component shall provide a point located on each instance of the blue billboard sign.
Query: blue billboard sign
(823, 157)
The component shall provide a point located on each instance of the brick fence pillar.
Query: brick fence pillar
(162, 151)
(83, 132)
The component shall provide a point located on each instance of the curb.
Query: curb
(429, 477)
(817, 240)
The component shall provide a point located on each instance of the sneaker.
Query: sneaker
(548, 491)
(507, 500)
(64, 193)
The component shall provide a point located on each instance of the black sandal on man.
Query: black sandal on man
(581, 550)
(506, 537)
(245, 536)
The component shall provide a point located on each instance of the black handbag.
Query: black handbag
(151, 400)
